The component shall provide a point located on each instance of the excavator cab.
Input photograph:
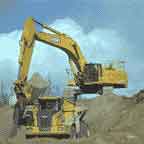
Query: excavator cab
(87, 80)
(92, 72)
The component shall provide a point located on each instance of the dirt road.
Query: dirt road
(112, 120)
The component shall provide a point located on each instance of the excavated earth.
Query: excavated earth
(112, 120)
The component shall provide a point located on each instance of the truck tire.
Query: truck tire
(17, 115)
(73, 134)
(84, 130)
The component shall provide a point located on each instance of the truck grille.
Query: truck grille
(45, 120)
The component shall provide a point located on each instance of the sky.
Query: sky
(106, 30)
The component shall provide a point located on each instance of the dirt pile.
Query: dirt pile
(37, 81)
(37, 85)
(117, 117)
(139, 97)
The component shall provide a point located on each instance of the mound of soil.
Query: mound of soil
(37, 81)
(120, 118)
(37, 85)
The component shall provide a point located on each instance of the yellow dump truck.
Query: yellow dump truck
(54, 116)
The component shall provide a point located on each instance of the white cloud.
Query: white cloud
(9, 45)
(98, 45)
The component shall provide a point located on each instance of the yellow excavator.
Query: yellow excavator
(55, 115)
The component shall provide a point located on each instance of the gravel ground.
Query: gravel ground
(112, 120)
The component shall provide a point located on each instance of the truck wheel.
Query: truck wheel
(84, 130)
(73, 134)
(15, 124)
(17, 115)
(100, 91)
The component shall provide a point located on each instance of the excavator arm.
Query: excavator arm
(56, 39)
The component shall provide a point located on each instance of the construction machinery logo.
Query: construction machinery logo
(55, 40)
